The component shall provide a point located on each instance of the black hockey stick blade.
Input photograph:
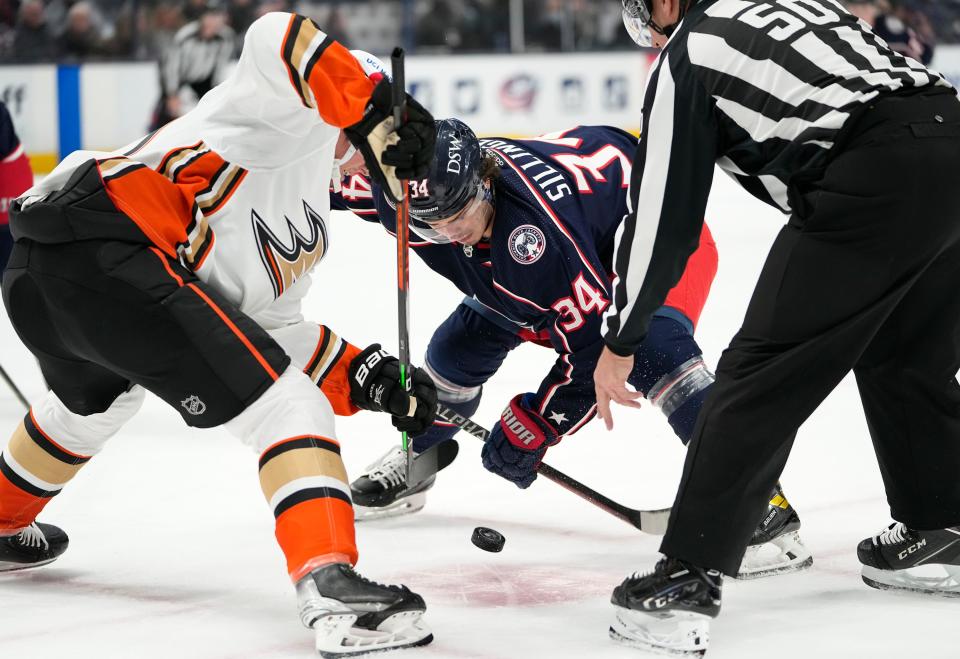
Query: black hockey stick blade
(653, 522)
(434, 459)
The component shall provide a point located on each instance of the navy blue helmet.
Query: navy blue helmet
(454, 176)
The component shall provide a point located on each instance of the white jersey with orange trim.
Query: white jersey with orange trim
(237, 188)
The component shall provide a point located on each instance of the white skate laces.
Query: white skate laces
(390, 469)
(892, 535)
(32, 536)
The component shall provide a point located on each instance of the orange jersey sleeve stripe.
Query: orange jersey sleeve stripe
(324, 73)
(236, 330)
(335, 384)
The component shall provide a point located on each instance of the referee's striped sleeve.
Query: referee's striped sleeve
(670, 183)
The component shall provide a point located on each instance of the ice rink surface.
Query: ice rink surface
(172, 553)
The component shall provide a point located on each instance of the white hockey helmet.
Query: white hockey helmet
(371, 64)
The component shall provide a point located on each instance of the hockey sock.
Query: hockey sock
(48, 449)
(291, 426)
(684, 418)
(33, 469)
(304, 480)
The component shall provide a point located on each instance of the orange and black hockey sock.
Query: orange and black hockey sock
(33, 469)
(305, 482)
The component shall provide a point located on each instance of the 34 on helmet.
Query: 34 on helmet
(454, 176)
(452, 183)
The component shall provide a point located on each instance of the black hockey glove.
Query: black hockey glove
(375, 385)
(391, 156)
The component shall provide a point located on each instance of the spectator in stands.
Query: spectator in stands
(165, 21)
(81, 38)
(8, 13)
(127, 42)
(242, 13)
(336, 25)
(194, 9)
(482, 26)
(437, 28)
(891, 28)
(195, 62)
(544, 22)
(32, 40)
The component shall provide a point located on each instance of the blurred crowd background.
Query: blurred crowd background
(195, 41)
(83, 30)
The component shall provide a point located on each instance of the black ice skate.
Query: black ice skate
(899, 558)
(667, 611)
(352, 615)
(775, 547)
(381, 491)
(32, 546)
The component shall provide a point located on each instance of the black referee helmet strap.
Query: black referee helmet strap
(454, 174)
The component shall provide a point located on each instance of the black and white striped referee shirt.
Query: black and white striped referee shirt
(196, 61)
(761, 89)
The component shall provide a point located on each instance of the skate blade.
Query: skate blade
(17, 567)
(672, 634)
(405, 506)
(783, 554)
(336, 635)
(937, 580)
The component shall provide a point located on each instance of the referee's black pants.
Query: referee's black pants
(864, 277)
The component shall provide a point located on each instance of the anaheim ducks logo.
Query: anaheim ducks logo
(286, 260)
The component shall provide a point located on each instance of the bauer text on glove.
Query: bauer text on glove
(375, 385)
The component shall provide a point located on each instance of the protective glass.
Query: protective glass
(636, 18)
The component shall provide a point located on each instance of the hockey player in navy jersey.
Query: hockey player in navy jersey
(525, 229)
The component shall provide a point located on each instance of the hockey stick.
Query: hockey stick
(403, 248)
(14, 388)
(653, 522)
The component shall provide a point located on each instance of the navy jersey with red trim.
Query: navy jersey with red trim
(559, 201)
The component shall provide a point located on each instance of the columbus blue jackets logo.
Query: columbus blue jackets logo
(289, 257)
(527, 244)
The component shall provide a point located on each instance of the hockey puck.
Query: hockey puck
(487, 539)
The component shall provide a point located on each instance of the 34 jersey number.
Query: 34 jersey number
(585, 299)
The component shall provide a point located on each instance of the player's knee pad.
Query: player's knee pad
(292, 407)
(85, 434)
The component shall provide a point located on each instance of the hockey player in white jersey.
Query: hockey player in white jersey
(177, 265)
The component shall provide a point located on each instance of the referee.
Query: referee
(813, 114)
(196, 61)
